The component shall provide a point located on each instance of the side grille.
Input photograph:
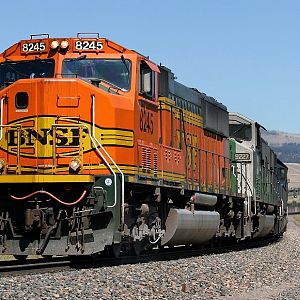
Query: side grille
(148, 158)
(155, 164)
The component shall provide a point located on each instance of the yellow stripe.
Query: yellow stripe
(121, 132)
(45, 178)
(134, 179)
(189, 116)
(169, 174)
(128, 170)
(117, 137)
(167, 100)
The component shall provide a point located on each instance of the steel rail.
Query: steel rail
(14, 268)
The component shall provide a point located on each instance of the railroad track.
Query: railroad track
(16, 267)
(170, 254)
(13, 268)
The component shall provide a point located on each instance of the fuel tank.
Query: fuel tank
(184, 227)
(266, 224)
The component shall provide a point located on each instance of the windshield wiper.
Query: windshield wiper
(97, 81)
(124, 62)
(76, 58)
(128, 72)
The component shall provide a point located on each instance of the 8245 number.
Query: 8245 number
(146, 120)
(88, 45)
(33, 47)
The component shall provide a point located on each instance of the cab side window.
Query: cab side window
(147, 81)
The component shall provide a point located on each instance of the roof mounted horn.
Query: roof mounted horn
(39, 35)
(88, 34)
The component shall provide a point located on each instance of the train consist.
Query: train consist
(100, 148)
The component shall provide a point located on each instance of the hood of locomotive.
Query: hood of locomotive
(47, 123)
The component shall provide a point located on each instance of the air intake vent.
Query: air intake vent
(146, 160)
(155, 164)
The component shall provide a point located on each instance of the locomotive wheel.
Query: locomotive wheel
(115, 250)
(20, 257)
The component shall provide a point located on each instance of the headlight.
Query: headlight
(54, 45)
(75, 164)
(2, 165)
(64, 44)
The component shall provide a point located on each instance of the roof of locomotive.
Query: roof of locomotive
(195, 96)
(180, 90)
(233, 115)
(176, 88)
(48, 43)
(44, 46)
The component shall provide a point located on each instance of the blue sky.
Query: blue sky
(244, 53)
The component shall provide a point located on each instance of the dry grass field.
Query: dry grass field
(277, 138)
(293, 175)
(294, 183)
(296, 218)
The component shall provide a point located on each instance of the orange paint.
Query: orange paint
(146, 136)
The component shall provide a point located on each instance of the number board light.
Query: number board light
(28, 47)
(85, 45)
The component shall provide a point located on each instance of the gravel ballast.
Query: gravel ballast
(270, 272)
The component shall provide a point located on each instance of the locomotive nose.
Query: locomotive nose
(18, 110)
(35, 107)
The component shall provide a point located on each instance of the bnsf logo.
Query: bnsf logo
(36, 137)
(64, 137)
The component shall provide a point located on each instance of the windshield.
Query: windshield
(240, 131)
(13, 71)
(115, 72)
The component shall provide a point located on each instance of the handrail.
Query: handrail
(1, 117)
(218, 157)
(246, 180)
(114, 163)
(96, 148)
(98, 145)
(19, 129)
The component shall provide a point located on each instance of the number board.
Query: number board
(83, 45)
(242, 156)
(33, 47)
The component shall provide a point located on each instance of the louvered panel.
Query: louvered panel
(148, 160)
(155, 164)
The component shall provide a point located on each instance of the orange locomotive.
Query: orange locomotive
(101, 148)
